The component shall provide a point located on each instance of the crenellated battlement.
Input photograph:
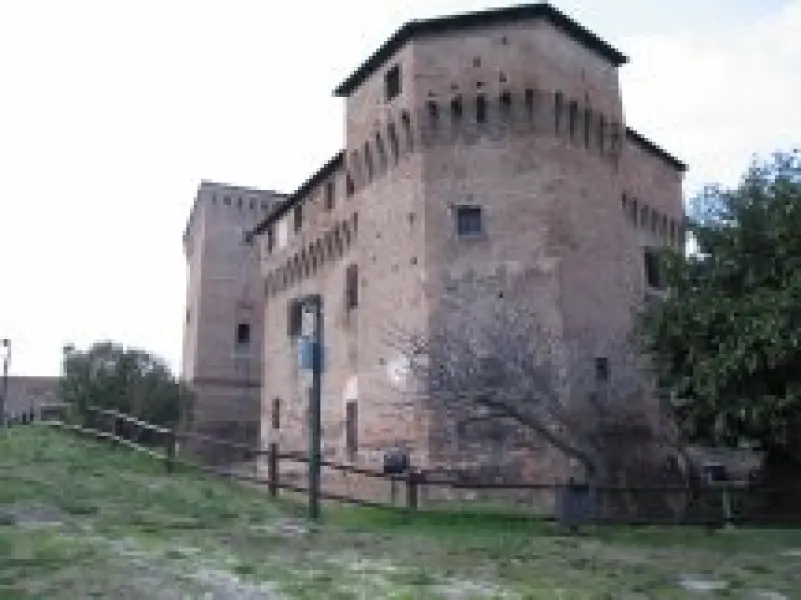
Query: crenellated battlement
(250, 205)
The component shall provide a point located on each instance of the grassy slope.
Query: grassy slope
(80, 521)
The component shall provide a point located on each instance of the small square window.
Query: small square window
(243, 333)
(392, 82)
(469, 221)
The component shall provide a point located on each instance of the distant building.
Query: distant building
(493, 142)
(30, 395)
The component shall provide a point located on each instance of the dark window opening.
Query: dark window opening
(573, 119)
(394, 147)
(352, 287)
(506, 105)
(477, 61)
(602, 370)
(329, 195)
(406, 123)
(456, 108)
(298, 218)
(243, 333)
(188, 315)
(276, 413)
(349, 187)
(433, 113)
(625, 203)
(227, 201)
(601, 133)
(558, 101)
(294, 317)
(379, 148)
(587, 127)
(351, 429)
(653, 269)
(529, 101)
(468, 220)
(634, 211)
(368, 161)
(481, 109)
(392, 82)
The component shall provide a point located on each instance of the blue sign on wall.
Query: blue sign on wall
(307, 350)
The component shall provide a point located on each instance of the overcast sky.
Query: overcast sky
(112, 112)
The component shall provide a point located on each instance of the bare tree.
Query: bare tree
(487, 355)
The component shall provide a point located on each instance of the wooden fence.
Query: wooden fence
(570, 503)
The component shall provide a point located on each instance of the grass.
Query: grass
(79, 519)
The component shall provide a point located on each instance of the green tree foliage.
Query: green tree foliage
(130, 381)
(728, 336)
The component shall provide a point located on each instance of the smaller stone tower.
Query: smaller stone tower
(222, 345)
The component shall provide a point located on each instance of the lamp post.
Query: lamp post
(5, 352)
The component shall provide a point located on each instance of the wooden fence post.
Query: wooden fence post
(412, 481)
(272, 469)
(170, 451)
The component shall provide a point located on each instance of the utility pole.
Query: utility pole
(311, 355)
(5, 348)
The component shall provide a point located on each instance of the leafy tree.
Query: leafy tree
(127, 380)
(727, 338)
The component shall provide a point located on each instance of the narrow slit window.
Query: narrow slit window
(329, 195)
(368, 161)
(276, 414)
(433, 113)
(456, 109)
(481, 109)
(601, 133)
(505, 102)
(297, 218)
(382, 153)
(394, 147)
(351, 429)
(352, 287)
(558, 101)
(587, 127)
(529, 102)
(573, 119)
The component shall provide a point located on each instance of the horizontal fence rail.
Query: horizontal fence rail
(569, 503)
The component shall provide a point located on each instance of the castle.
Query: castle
(488, 142)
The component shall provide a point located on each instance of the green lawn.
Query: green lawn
(79, 519)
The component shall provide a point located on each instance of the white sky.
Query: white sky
(112, 112)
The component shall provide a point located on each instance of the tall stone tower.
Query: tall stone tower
(224, 310)
(494, 144)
